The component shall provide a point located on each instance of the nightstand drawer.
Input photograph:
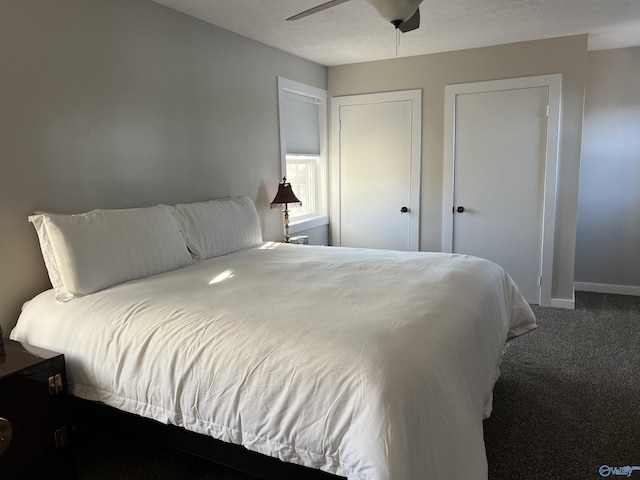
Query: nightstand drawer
(34, 407)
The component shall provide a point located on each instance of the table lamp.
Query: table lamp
(283, 198)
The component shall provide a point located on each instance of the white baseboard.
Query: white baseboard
(607, 288)
(569, 304)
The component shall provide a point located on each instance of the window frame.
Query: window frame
(321, 214)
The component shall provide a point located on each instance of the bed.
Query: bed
(366, 364)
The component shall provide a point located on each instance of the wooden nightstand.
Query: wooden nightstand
(34, 414)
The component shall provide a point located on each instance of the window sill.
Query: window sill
(306, 224)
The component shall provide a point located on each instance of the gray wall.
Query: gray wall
(124, 103)
(432, 73)
(608, 240)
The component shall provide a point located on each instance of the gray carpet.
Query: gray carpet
(568, 399)
(567, 402)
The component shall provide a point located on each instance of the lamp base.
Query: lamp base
(286, 225)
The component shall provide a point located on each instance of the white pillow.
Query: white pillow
(87, 252)
(220, 226)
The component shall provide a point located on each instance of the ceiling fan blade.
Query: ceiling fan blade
(412, 23)
(317, 9)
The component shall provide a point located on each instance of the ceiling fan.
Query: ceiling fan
(403, 14)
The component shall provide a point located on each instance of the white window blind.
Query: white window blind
(301, 124)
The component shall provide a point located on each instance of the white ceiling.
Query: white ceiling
(353, 31)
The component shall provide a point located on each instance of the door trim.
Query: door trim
(413, 96)
(554, 84)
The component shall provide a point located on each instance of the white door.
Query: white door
(498, 180)
(378, 145)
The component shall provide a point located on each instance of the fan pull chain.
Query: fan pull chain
(397, 40)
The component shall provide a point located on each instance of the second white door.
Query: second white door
(500, 169)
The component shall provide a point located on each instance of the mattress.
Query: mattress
(368, 364)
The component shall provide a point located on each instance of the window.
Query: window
(303, 138)
(302, 174)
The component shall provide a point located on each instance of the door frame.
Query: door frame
(413, 96)
(554, 84)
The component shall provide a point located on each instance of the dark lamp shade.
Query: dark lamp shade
(285, 195)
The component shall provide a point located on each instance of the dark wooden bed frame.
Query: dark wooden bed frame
(88, 414)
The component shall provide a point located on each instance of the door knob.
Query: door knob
(460, 209)
(404, 210)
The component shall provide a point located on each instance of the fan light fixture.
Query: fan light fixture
(397, 11)
(403, 14)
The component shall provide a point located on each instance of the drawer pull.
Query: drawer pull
(6, 434)
(60, 437)
(55, 384)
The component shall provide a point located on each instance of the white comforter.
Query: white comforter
(373, 365)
